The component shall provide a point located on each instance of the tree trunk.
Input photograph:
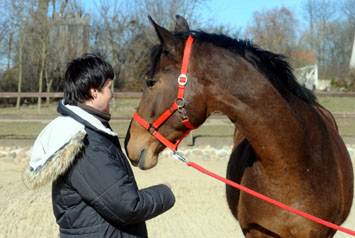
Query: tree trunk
(49, 85)
(43, 60)
(9, 52)
(41, 19)
(113, 81)
(19, 74)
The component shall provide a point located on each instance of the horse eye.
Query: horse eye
(150, 83)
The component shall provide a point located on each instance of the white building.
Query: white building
(352, 59)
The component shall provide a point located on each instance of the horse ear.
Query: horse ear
(181, 24)
(165, 36)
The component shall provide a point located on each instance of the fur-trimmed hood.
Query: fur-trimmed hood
(58, 145)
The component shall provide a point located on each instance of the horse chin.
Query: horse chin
(147, 160)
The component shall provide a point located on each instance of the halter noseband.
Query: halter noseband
(177, 105)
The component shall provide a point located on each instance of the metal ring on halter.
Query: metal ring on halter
(180, 103)
(182, 76)
(181, 109)
(151, 128)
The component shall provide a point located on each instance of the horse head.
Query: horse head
(160, 94)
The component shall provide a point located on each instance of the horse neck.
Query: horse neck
(259, 112)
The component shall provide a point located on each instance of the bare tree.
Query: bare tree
(56, 45)
(21, 42)
(4, 29)
(14, 13)
(139, 36)
(122, 33)
(68, 38)
(349, 10)
(274, 30)
(41, 27)
(330, 34)
(319, 14)
(8, 31)
(111, 30)
(164, 12)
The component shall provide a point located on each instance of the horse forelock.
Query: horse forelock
(155, 53)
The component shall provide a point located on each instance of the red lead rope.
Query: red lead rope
(269, 200)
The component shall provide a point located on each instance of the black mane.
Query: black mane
(274, 66)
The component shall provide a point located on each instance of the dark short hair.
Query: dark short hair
(87, 72)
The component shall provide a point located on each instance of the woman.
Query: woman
(94, 192)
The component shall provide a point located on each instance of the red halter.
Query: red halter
(177, 105)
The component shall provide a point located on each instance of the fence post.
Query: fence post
(190, 139)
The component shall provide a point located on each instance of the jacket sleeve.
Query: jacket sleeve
(106, 182)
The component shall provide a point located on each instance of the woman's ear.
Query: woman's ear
(93, 93)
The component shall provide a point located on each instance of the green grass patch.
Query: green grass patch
(346, 127)
(20, 130)
(120, 127)
(118, 107)
(30, 130)
(30, 110)
(338, 105)
(127, 106)
(124, 106)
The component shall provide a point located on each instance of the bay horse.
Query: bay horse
(286, 145)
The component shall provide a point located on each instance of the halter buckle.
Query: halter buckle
(151, 128)
(179, 79)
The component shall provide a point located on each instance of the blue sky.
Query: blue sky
(238, 13)
(235, 13)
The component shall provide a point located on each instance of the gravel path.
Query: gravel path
(201, 209)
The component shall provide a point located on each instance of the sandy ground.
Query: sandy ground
(201, 209)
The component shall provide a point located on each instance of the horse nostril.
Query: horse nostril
(134, 163)
(141, 159)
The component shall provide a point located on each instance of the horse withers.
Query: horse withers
(286, 146)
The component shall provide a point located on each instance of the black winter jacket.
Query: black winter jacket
(94, 193)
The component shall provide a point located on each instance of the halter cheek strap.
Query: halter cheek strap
(177, 105)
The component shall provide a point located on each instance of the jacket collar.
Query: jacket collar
(83, 117)
(56, 147)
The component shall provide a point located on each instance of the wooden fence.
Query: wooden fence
(135, 94)
(61, 94)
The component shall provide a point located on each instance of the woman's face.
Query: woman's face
(102, 98)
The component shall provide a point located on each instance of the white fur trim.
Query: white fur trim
(54, 166)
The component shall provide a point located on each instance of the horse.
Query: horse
(286, 145)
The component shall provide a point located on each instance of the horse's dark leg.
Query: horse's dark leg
(242, 156)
